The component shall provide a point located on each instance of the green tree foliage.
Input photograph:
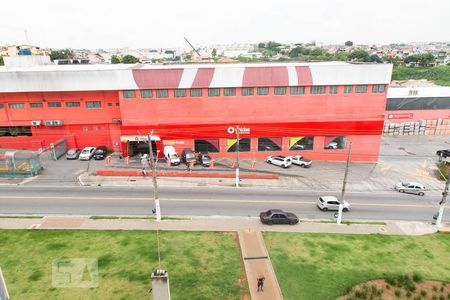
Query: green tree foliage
(214, 52)
(262, 45)
(375, 58)
(341, 56)
(61, 54)
(115, 59)
(348, 43)
(360, 55)
(2, 63)
(318, 52)
(440, 74)
(295, 52)
(130, 59)
(423, 59)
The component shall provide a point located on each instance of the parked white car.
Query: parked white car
(332, 145)
(87, 153)
(279, 160)
(411, 188)
(331, 203)
(301, 161)
(169, 153)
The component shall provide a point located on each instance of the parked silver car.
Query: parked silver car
(411, 188)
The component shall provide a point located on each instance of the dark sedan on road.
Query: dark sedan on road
(100, 153)
(443, 153)
(278, 216)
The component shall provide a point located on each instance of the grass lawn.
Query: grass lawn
(324, 266)
(201, 265)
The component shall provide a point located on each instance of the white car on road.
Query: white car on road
(301, 161)
(331, 203)
(279, 160)
(411, 188)
(87, 153)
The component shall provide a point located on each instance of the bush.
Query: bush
(397, 293)
(417, 277)
(423, 293)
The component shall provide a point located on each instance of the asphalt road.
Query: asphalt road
(206, 201)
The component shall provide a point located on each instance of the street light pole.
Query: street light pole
(237, 156)
(341, 200)
(155, 183)
(442, 203)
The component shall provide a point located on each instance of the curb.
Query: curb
(185, 174)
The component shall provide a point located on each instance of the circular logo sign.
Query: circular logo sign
(230, 130)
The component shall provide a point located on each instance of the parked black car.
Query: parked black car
(100, 153)
(204, 159)
(73, 153)
(278, 216)
(187, 156)
(443, 153)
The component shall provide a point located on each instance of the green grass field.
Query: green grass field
(440, 74)
(324, 266)
(201, 265)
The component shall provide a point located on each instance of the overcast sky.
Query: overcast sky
(140, 24)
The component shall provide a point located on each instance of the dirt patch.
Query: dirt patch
(403, 287)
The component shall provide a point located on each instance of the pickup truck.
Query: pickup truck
(301, 161)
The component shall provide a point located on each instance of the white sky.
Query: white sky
(146, 23)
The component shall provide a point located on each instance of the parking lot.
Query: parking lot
(403, 158)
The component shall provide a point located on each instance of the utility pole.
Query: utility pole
(155, 183)
(341, 200)
(442, 203)
(237, 156)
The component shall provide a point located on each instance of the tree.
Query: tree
(214, 52)
(115, 59)
(341, 56)
(348, 43)
(2, 63)
(261, 45)
(318, 52)
(360, 55)
(423, 59)
(130, 59)
(61, 54)
(375, 58)
(273, 46)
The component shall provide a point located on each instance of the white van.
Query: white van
(169, 153)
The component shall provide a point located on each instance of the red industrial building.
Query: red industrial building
(313, 109)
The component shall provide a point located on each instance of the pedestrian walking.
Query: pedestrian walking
(260, 282)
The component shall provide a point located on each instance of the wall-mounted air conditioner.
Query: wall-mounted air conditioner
(49, 122)
(57, 123)
(36, 123)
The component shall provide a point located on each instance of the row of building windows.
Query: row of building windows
(266, 144)
(89, 104)
(250, 91)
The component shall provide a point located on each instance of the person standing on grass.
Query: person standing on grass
(260, 282)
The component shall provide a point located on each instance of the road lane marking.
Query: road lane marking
(209, 200)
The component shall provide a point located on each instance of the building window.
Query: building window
(195, 92)
(299, 143)
(297, 90)
(319, 89)
(333, 89)
(247, 91)
(178, 93)
(36, 105)
(213, 92)
(229, 91)
(162, 93)
(262, 91)
(209, 145)
(85, 128)
(15, 131)
(348, 89)
(109, 104)
(280, 90)
(361, 89)
(54, 104)
(129, 94)
(146, 94)
(244, 145)
(381, 88)
(269, 144)
(117, 104)
(16, 105)
(335, 142)
(1, 105)
(93, 104)
(73, 104)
